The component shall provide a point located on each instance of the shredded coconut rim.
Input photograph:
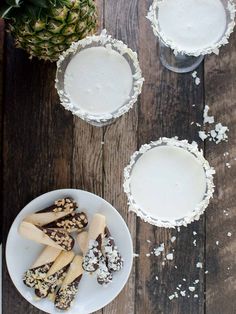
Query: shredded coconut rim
(102, 40)
(200, 208)
(152, 16)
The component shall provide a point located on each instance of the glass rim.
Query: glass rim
(103, 40)
(200, 208)
(152, 16)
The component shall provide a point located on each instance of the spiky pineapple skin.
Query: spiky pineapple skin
(48, 36)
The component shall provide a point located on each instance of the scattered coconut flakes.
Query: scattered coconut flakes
(202, 135)
(180, 285)
(192, 123)
(148, 241)
(191, 289)
(229, 234)
(183, 293)
(206, 272)
(206, 117)
(102, 143)
(178, 229)
(199, 265)
(176, 294)
(195, 242)
(198, 124)
(196, 281)
(163, 263)
(221, 133)
(194, 74)
(193, 105)
(228, 165)
(194, 233)
(156, 278)
(170, 256)
(197, 81)
(135, 255)
(176, 266)
(184, 279)
(157, 251)
(148, 254)
(226, 154)
(173, 239)
(217, 242)
(171, 297)
(195, 296)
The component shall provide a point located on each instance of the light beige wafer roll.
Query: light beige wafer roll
(82, 239)
(59, 209)
(55, 238)
(97, 227)
(76, 221)
(95, 235)
(41, 266)
(69, 287)
(55, 275)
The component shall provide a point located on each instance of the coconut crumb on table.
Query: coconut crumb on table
(217, 242)
(229, 234)
(135, 255)
(170, 256)
(199, 265)
(173, 239)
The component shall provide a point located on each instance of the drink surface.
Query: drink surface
(98, 80)
(168, 182)
(192, 24)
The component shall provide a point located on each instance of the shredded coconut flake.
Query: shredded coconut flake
(199, 265)
(229, 234)
(170, 256)
(173, 239)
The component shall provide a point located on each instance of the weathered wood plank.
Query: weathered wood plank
(37, 145)
(220, 73)
(120, 140)
(166, 110)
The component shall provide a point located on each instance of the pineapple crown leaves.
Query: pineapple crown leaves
(11, 9)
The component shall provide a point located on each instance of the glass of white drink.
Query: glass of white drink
(168, 182)
(189, 29)
(98, 79)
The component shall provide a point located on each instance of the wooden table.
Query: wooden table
(45, 148)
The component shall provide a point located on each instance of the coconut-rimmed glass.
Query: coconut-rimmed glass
(102, 40)
(182, 61)
(199, 209)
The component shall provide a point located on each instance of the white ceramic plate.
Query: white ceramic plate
(21, 253)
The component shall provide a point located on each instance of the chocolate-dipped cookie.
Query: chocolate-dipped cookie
(113, 258)
(55, 275)
(70, 285)
(59, 239)
(73, 222)
(41, 266)
(95, 235)
(59, 209)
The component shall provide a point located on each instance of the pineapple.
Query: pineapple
(45, 28)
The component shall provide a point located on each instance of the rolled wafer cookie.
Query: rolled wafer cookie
(55, 275)
(95, 235)
(76, 221)
(70, 284)
(41, 266)
(110, 251)
(59, 239)
(59, 209)
(104, 276)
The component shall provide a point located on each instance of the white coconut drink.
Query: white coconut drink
(191, 28)
(168, 182)
(98, 79)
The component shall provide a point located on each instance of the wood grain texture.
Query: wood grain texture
(166, 110)
(120, 140)
(46, 148)
(220, 78)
